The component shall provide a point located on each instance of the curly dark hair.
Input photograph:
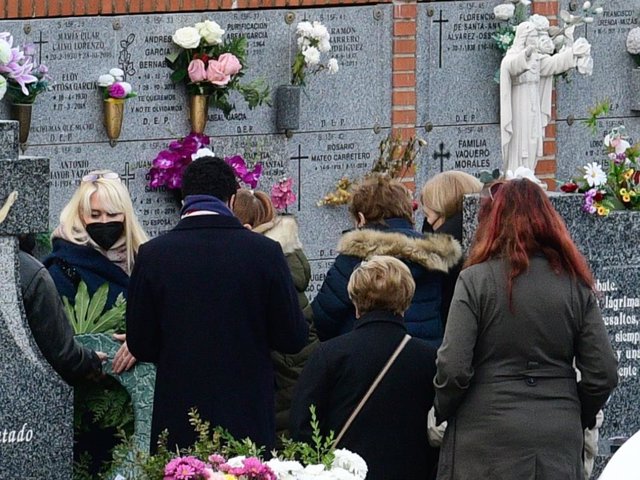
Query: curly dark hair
(209, 176)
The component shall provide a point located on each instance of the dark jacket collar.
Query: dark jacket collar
(208, 221)
(379, 316)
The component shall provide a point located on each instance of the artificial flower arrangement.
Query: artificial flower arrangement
(112, 85)
(313, 40)
(20, 77)
(216, 455)
(282, 195)
(209, 65)
(168, 166)
(395, 160)
(616, 189)
(551, 38)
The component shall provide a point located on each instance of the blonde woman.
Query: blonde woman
(442, 198)
(96, 242)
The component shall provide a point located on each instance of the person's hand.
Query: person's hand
(123, 360)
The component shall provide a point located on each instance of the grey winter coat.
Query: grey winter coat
(505, 381)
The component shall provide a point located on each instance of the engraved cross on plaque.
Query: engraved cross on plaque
(40, 43)
(440, 22)
(299, 158)
(441, 155)
(127, 176)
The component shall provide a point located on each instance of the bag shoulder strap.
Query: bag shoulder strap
(373, 386)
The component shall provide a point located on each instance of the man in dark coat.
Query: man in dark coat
(208, 301)
(390, 432)
(50, 327)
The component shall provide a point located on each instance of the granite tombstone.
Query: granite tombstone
(36, 414)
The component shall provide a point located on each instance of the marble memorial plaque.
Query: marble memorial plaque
(612, 64)
(469, 148)
(578, 145)
(456, 63)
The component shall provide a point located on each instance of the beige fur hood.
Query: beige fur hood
(284, 230)
(433, 251)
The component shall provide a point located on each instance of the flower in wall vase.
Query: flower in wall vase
(198, 111)
(288, 107)
(22, 113)
(113, 115)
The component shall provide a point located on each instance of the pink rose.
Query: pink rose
(116, 90)
(216, 75)
(229, 64)
(197, 71)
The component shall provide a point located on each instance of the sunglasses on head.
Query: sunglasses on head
(92, 177)
(492, 190)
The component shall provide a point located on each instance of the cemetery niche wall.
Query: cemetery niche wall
(343, 116)
(457, 97)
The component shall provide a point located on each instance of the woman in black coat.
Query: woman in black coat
(390, 432)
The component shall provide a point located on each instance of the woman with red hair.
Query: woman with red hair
(523, 313)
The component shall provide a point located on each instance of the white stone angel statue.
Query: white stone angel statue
(526, 83)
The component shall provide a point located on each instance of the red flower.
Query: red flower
(569, 187)
(414, 205)
(636, 177)
(201, 56)
(599, 196)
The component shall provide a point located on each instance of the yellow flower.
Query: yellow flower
(602, 211)
(628, 174)
(632, 193)
(623, 192)
(626, 198)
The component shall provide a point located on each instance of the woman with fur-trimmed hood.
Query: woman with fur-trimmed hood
(382, 210)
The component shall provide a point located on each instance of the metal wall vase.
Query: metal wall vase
(113, 116)
(198, 112)
(22, 113)
(288, 107)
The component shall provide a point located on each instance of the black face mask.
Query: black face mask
(105, 234)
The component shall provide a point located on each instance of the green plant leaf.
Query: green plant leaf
(97, 303)
(110, 320)
(178, 75)
(81, 307)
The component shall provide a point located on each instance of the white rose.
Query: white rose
(127, 87)
(540, 21)
(210, 31)
(5, 52)
(599, 10)
(504, 11)
(332, 66)
(587, 19)
(117, 73)
(106, 80)
(320, 32)
(3, 86)
(633, 41)
(187, 37)
(304, 29)
(545, 45)
(311, 56)
(324, 46)
(586, 5)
